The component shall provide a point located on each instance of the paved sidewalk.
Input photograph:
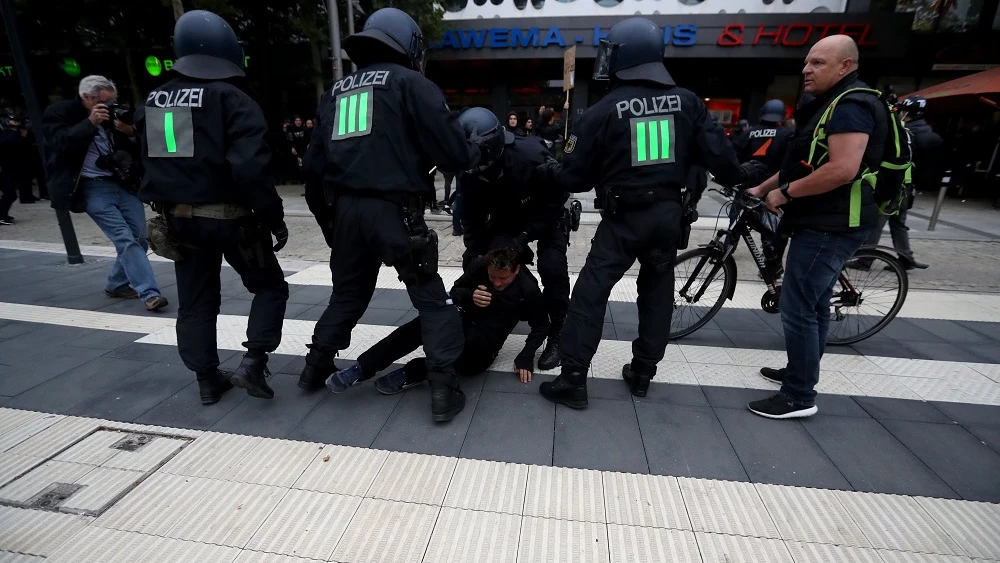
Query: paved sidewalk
(106, 454)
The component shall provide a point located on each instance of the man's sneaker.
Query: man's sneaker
(341, 380)
(394, 382)
(446, 401)
(156, 302)
(122, 293)
(780, 406)
(6, 220)
(319, 366)
(774, 375)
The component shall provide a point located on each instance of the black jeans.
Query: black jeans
(475, 358)
(369, 232)
(649, 235)
(204, 242)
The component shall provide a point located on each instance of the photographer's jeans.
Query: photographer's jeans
(812, 269)
(121, 216)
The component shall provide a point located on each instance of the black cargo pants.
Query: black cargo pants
(649, 235)
(203, 244)
(554, 270)
(369, 232)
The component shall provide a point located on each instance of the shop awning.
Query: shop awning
(975, 89)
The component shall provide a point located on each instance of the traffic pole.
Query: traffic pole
(945, 181)
(338, 62)
(73, 255)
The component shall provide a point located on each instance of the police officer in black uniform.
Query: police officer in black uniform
(637, 145)
(506, 197)
(379, 132)
(767, 142)
(206, 157)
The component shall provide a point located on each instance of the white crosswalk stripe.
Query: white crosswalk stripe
(873, 376)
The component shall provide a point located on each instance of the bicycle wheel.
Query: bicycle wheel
(866, 299)
(701, 285)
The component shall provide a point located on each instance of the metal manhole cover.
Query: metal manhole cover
(53, 495)
(132, 442)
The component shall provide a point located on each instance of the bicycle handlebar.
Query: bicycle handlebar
(739, 197)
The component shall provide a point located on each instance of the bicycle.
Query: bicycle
(859, 309)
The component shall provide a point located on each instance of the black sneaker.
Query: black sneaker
(774, 375)
(446, 401)
(638, 381)
(394, 382)
(6, 220)
(780, 406)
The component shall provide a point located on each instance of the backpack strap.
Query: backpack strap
(821, 146)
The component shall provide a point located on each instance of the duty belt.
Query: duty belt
(209, 210)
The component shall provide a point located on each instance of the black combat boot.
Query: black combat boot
(213, 384)
(638, 377)
(252, 375)
(550, 358)
(447, 399)
(319, 366)
(568, 389)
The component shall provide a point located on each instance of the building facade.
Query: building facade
(507, 55)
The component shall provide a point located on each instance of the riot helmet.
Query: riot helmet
(206, 47)
(913, 107)
(773, 111)
(483, 128)
(633, 50)
(389, 34)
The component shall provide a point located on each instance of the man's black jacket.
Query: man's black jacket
(68, 135)
(520, 301)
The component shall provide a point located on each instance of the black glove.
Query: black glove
(280, 232)
(753, 173)
(525, 360)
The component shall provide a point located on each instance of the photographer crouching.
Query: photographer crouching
(92, 163)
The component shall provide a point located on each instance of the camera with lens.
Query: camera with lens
(121, 112)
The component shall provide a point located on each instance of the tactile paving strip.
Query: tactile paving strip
(834, 553)
(897, 523)
(726, 507)
(12, 418)
(274, 462)
(100, 487)
(36, 532)
(247, 556)
(156, 505)
(975, 525)
(417, 478)
(21, 490)
(11, 557)
(305, 524)
(652, 501)
(716, 548)
(102, 545)
(12, 465)
(387, 532)
(811, 515)
(489, 486)
(27, 429)
(567, 494)
(544, 540)
(226, 513)
(633, 544)
(462, 536)
(343, 470)
(910, 557)
(211, 455)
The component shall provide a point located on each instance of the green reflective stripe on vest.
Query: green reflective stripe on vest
(819, 141)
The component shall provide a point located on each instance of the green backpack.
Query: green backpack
(891, 181)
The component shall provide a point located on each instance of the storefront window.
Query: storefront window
(942, 15)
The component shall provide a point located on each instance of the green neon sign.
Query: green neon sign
(155, 66)
(70, 67)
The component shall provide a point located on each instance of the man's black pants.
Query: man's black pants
(204, 242)
(369, 232)
(554, 270)
(649, 235)
(475, 358)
